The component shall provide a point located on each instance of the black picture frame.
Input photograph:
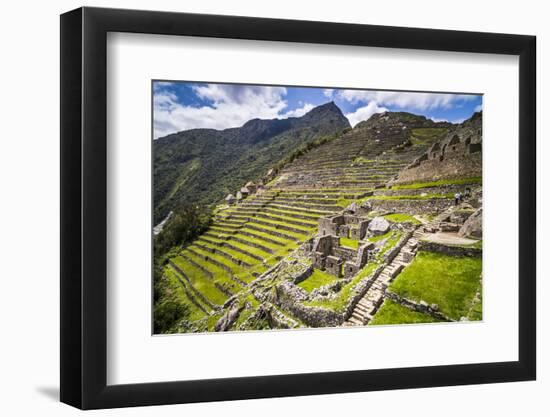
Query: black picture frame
(84, 207)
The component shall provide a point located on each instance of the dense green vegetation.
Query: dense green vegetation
(182, 227)
(172, 306)
(451, 282)
(393, 313)
(204, 165)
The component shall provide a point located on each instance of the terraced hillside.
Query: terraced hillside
(235, 275)
(203, 165)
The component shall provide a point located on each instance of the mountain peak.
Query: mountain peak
(328, 112)
(327, 107)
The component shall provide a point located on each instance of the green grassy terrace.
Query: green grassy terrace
(393, 313)
(349, 243)
(423, 135)
(316, 280)
(179, 294)
(451, 282)
(418, 185)
(430, 196)
(402, 218)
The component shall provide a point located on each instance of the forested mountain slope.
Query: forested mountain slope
(203, 165)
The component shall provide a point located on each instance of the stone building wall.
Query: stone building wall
(432, 206)
(457, 166)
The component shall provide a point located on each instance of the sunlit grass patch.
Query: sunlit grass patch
(349, 243)
(392, 313)
(316, 280)
(451, 282)
(401, 218)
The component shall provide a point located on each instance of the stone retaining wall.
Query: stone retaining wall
(272, 241)
(450, 168)
(289, 298)
(197, 293)
(392, 253)
(202, 268)
(224, 254)
(431, 206)
(448, 250)
(421, 307)
(360, 290)
(209, 259)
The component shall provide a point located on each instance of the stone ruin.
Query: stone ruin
(327, 253)
(454, 147)
(249, 188)
(344, 225)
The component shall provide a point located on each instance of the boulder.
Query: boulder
(472, 227)
(379, 226)
(352, 208)
(227, 320)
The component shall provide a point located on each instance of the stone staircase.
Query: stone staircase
(374, 297)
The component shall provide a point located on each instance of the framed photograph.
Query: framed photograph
(256, 208)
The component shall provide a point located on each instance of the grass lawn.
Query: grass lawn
(393, 313)
(316, 280)
(448, 281)
(349, 243)
(401, 218)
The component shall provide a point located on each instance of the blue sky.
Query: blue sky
(187, 105)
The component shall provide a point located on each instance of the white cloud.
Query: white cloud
(479, 107)
(328, 92)
(363, 113)
(299, 112)
(419, 101)
(437, 119)
(229, 106)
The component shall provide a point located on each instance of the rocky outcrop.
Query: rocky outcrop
(379, 226)
(472, 227)
(449, 250)
(227, 320)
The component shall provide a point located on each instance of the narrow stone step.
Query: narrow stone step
(357, 317)
(360, 309)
